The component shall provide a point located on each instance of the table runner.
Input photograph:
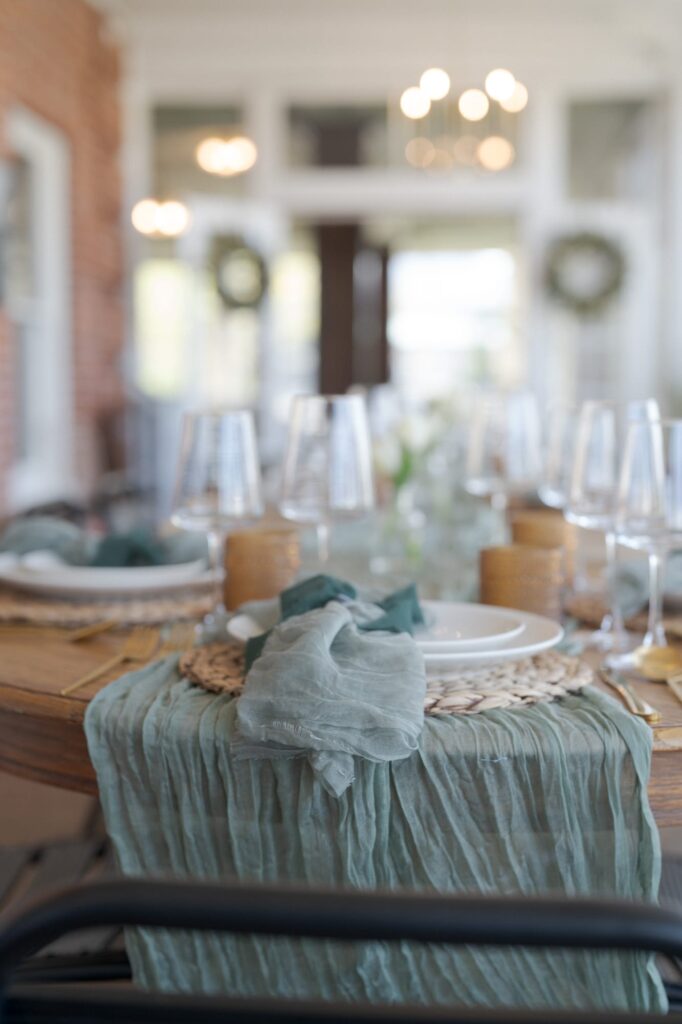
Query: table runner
(548, 799)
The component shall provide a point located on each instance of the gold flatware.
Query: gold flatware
(139, 646)
(71, 635)
(661, 665)
(74, 636)
(633, 702)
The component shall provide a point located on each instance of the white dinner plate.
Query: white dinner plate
(455, 626)
(42, 573)
(486, 633)
(538, 635)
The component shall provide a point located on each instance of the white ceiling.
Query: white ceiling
(205, 48)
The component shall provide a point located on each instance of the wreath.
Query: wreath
(584, 272)
(239, 272)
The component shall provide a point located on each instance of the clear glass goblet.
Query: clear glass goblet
(504, 451)
(218, 486)
(649, 506)
(558, 456)
(592, 493)
(327, 473)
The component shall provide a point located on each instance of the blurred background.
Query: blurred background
(229, 202)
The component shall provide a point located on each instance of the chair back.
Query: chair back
(303, 912)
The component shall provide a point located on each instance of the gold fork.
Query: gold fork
(629, 696)
(19, 629)
(139, 646)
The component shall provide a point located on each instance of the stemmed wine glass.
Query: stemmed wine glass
(218, 485)
(592, 493)
(327, 472)
(503, 456)
(558, 457)
(649, 506)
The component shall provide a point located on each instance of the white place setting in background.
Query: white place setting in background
(43, 572)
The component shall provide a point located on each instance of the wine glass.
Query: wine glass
(649, 506)
(327, 472)
(218, 485)
(558, 457)
(592, 493)
(503, 456)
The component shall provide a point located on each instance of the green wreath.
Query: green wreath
(584, 272)
(239, 272)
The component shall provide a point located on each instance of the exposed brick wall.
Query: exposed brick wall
(56, 60)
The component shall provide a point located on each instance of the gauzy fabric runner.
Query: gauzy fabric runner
(550, 799)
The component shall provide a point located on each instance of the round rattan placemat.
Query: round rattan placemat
(152, 609)
(518, 684)
(514, 684)
(216, 667)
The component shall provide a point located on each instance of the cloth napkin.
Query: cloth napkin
(47, 533)
(75, 547)
(399, 612)
(337, 678)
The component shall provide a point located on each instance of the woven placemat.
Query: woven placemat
(219, 668)
(152, 609)
(216, 667)
(516, 684)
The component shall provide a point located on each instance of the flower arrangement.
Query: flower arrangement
(402, 451)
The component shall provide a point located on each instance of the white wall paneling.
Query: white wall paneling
(271, 54)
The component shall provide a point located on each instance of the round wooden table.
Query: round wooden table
(41, 732)
(42, 738)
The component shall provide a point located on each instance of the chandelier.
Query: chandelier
(478, 128)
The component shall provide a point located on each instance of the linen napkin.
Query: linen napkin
(46, 533)
(335, 681)
(136, 548)
(398, 612)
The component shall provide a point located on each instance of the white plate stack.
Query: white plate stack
(43, 572)
(461, 636)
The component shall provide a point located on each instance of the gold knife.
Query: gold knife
(633, 702)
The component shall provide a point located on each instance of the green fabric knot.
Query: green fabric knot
(315, 592)
(402, 611)
(124, 550)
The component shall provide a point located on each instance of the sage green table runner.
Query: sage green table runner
(546, 799)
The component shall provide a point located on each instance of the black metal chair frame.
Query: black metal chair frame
(293, 911)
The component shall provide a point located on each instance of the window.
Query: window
(452, 310)
(177, 132)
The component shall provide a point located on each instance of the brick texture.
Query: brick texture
(56, 60)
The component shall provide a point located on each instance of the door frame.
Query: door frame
(47, 472)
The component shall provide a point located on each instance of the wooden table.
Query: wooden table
(42, 738)
(41, 733)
